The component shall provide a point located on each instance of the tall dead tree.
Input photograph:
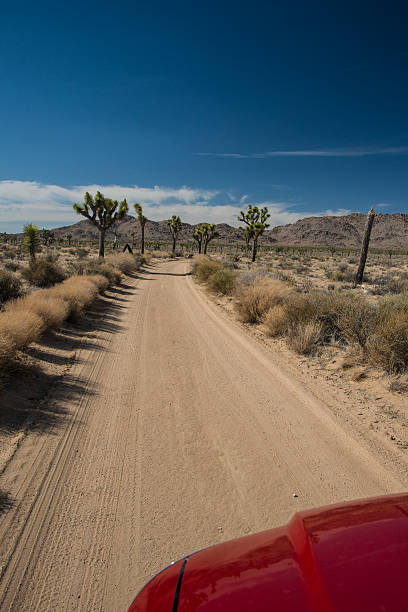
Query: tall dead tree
(364, 247)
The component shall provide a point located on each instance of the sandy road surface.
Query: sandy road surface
(185, 432)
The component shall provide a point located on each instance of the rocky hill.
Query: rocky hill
(390, 231)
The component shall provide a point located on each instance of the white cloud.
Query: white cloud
(51, 205)
(340, 212)
(32, 201)
(347, 152)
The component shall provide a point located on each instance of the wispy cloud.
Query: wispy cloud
(348, 152)
(51, 205)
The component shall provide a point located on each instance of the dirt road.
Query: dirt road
(182, 432)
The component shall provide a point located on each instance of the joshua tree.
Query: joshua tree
(175, 227)
(142, 221)
(248, 237)
(4, 237)
(255, 219)
(203, 234)
(364, 247)
(47, 236)
(209, 234)
(69, 239)
(103, 213)
(31, 240)
(198, 237)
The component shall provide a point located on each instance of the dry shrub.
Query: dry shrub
(78, 292)
(7, 347)
(101, 282)
(222, 281)
(348, 362)
(344, 317)
(357, 373)
(125, 262)
(10, 286)
(388, 346)
(43, 273)
(399, 384)
(276, 321)
(145, 259)
(304, 338)
(355, 319)
(53, 310)
(254, 301)
(203, 267)
(113, 275)
(18, 330)
(300, 308)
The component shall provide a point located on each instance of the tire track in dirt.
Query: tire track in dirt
(185, 433)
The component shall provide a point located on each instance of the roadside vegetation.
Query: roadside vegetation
(308, 319)
(53, 295)
(311, 297)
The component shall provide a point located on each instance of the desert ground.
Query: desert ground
(157, 425)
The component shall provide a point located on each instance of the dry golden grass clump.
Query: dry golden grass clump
(125, 262)
(24, 320)
(78, 292)
(52, 309)
(113, 274)
(18, 330)
(276, 322)
(305, 338)
(101, 282)
(256, 299)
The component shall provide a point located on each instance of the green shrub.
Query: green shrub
(222, 281)
(254, 301)
(43, 273)
(355, 319)
(388, 346)
(203, 267)
(10, 286)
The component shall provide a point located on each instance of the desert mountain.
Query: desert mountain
(390, 231)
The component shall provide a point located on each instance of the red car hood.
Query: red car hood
(343, 558)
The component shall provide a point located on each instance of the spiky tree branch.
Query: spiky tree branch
(256, 221)
(198, 237)
(142, 221)
(209, 233)
(103, 213)
(175, 227)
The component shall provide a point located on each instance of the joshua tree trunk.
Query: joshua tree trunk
(199, 248)
(102, 243)
(174, 245)
(364, 247)
(254, 249)
(142, 249)
(205, 248)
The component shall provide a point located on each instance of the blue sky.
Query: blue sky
(201, 107)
